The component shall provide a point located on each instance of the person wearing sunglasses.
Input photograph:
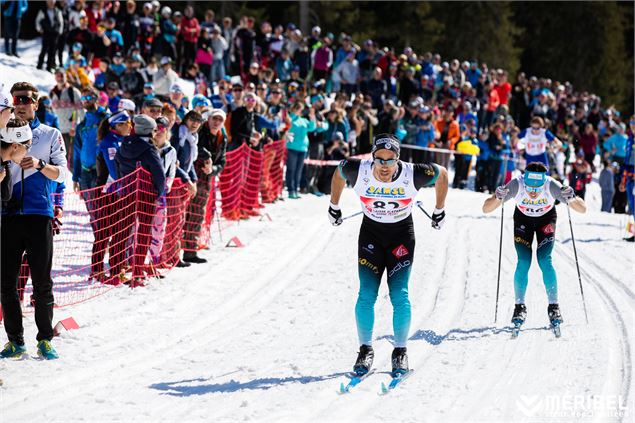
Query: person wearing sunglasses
(387, 188)
(535, 140)
(535, 214)
(27, 223)
(85, 143)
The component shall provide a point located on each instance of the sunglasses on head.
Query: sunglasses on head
(23, 99)
(87, 97)
(383, 162)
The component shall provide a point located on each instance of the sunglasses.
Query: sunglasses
(11, 109)
(382, 162)
(533, 189)
(161, 129)
(154, 110)
(87, 98)
(276, 92)
(27, 146)
(250, 100)
(237, 89)
(23, 99)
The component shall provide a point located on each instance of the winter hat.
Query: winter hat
(200, 100)
(386, 142)
(144, 125)
(337, 136)
(119, 117)
(126, 104)
(217, 112)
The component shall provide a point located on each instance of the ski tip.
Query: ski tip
(384, 389)
(342, 388)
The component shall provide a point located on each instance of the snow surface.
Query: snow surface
(267, 332)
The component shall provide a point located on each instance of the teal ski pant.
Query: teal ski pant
(544, 228)
(390, 251)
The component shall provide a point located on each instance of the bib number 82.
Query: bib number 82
(382, 204)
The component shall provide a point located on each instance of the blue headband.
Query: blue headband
(535, 179)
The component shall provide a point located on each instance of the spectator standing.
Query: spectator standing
(588, 142)
(50, 23)
(27, 221)
(85, 143)
(212, 144)
(165, 77)
(607, 185)
(322, 60)
(12, 12)
(138, 149)
(130, 25)
(219, 48)
(580, 174)
(297, 146)
(189, 31)
(449, 135)
(67, 104)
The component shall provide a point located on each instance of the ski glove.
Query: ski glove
(335, 214)
(501, 192)
(438, 218)
(568, 193)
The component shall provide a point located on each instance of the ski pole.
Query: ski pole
(500, 253)
(352, 215)
(575, 253)
(419, 204)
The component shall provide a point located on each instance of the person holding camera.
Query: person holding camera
(27, 218)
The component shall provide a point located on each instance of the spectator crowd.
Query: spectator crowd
(324, 94)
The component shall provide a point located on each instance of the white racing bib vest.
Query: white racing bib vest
(385, 202)
(534, 207)
(535, 144)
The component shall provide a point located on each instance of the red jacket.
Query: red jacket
(503, 92)
(493, 101)
(189, 29)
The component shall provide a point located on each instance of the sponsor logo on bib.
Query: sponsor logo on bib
(400, 251)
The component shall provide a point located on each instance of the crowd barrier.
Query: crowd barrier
(124, 233)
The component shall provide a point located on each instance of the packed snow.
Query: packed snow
(266, 332)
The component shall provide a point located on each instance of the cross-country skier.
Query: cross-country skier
(535, 139)
(387, 188)
(535, 194)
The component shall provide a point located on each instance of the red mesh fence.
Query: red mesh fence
(123, 233)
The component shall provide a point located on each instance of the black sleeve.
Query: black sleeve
(102, 170)
(349, 168)
(425, 174)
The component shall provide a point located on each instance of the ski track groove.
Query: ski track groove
(425, 351)
(155, 357)
(616, 315)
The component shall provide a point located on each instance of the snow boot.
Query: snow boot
(364, 360)
(520, 314)
(399, 361)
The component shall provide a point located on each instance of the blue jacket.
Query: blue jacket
(425, 136)
(85, 142)
(629, 158)
(184, 154)
(22, 5)
(108, 148)
(138, 150)
(30, 189)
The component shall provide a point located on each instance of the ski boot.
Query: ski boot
(520, 314)
(364, 360)
(555, 318)
(399, 362)
(12, 350)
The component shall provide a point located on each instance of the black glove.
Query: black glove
(438, 218)
(335, 214)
